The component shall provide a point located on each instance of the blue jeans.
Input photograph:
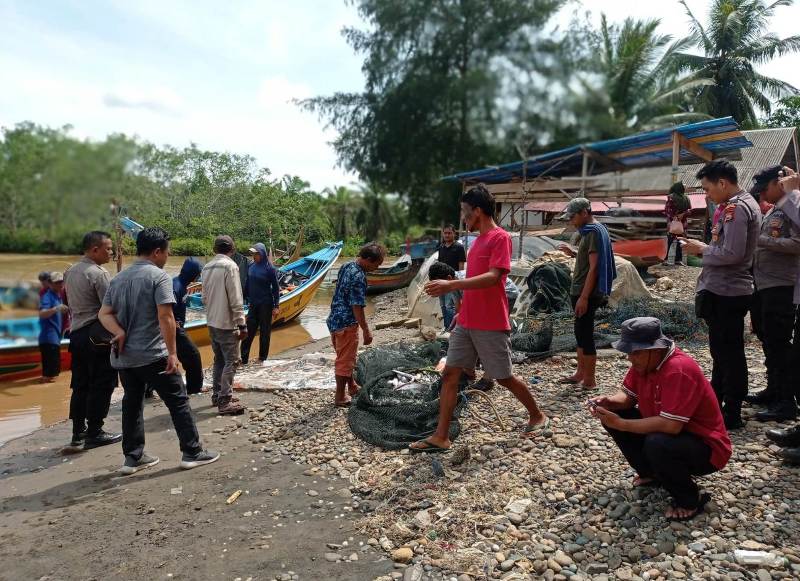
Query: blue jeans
(448, 307)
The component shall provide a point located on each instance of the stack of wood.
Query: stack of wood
(634, 227)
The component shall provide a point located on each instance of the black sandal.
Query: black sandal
(429, 448)
(705, 498)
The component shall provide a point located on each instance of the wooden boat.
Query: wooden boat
(312, 269)
(398, 275)
(642, 253)
(20, 359)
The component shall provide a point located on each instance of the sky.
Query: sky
(221, 73)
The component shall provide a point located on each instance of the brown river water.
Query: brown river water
(27, 405)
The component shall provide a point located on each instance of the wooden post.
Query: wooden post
(115, 213)
(796, 151)
(524, 203)
(676, 155)
(584, 171)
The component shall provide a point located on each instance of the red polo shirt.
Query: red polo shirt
(486, 309)
(678, 390)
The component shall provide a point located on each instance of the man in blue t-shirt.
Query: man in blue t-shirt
(51, 309)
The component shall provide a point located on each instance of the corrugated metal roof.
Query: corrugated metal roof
(770, 147)
(698, 201)
(652, 148)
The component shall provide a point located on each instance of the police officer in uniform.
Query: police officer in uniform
(725, 285)
(789, 203)
(776, 266)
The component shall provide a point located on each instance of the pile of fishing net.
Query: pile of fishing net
(399, 398)
(678, 320)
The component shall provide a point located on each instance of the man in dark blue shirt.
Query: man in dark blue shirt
(188, 354)
(50, 311)
(347, 315)
(263, 294)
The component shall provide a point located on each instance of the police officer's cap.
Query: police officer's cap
(762, 179)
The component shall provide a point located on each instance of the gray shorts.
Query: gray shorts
(493, 348)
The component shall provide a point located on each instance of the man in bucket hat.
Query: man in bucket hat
(665, 419)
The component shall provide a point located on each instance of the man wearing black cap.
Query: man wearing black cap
(725, 285)
(222, 297)
(665, 419)
(776, 265)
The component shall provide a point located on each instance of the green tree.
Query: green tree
(435, 74)
(630, 84)
(734, 41)
(786, 115)
(342, 205)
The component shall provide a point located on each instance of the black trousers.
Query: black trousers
(93, 382)
(259, 318)
(725, 319)
(189, 356)
(584, 325)
(795, 357)
(772, 314)
(670, 459)
(51, 359)
(172, 391)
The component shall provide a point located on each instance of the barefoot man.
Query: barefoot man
(482, 329)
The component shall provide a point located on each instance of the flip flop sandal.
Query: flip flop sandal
(343, 404)
(536, 429)
(430, 448)
(704, 499)
(649, 484)
(568, 381)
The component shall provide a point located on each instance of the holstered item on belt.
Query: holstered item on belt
(702, 304)
(100, 337)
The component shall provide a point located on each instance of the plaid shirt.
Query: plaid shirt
(351, 290)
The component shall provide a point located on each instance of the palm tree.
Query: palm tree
(342, 205)
(734, 42)
(637, 88)
(374, 217)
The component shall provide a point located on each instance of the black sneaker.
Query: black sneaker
(101, 439)
(733, 422)
(132, 465)
(778, 412)
(190, 461)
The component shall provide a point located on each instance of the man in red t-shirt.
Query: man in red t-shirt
(482, 329)
(669, 426)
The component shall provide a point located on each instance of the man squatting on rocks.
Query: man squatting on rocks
(222, 296)
(789, 204)
(93, 379)
(665, 419)
(592, 276)
(137, 309)
(347, 315)
(725, 285)
(482, 329)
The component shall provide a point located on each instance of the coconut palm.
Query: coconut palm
(734, 42)
(631, 85)
(342, 205)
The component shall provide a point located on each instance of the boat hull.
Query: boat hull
(24, 361)
(378, 282)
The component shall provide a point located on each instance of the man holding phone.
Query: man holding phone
(137, 310)
(725, 285)
(665, 419)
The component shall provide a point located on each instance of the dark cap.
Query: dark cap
(641, 333)
(223, 244)
(762, 178)
(575, 206)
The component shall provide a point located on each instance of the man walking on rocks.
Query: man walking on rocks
(482, 328)
(222, 297)
(137, 309)
(592, 276)
(665, 419)
(347, 316)
(776, 265)
(725, 285)
(93, 379)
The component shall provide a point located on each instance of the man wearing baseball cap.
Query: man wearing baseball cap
(592, 275)
(776, 266)
(665, 419)
(51, 309)
(222, 297)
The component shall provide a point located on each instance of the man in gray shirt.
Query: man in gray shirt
(725, 285)
(775, 269)
(137, 309)
(93, 380)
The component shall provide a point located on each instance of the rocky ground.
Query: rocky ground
(498, 506)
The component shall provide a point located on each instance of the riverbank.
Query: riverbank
(499, 506)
